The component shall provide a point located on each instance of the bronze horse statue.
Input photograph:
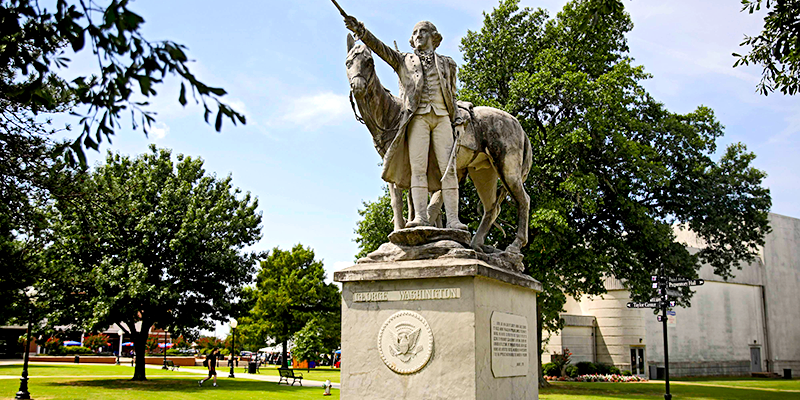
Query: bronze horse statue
(492, 145)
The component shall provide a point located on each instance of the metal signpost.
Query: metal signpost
(665, 286)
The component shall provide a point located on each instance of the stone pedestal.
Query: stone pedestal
(438, 329)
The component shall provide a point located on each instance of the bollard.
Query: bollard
(77, 359)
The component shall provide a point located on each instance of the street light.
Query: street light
(119, 353)
(234, 324)
(165, 349)
(29, 293)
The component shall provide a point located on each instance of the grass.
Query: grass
(103, 382)
(655, 390)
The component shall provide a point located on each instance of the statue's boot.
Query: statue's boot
(419, 195)
(450, 197)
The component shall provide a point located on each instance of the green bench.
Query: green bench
(289, 373)
(171, 365)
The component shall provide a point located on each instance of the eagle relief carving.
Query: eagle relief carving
(405, 342)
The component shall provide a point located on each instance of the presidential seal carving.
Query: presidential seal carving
(405, 342)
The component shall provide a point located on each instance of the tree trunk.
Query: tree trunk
(284, 362)
(140, 345)
(539, 350)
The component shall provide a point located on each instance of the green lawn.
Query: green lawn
(655, 390)
(104, 382)
(315, 374)
(781, 384)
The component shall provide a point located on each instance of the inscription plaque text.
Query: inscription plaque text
(510, 355)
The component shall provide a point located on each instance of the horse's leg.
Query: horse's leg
(435, 209)
(396, 195)
(513, 181)
(485, 181)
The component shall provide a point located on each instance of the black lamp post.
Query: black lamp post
(23, 382)
(234, 324)
(165, 349)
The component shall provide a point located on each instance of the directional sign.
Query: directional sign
(686, 282)
(649, 304)
(655, 285)
(654, 278)
(660, 318)
(673, 293)
(672, 304)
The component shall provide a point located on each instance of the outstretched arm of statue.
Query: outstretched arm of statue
(393, 57)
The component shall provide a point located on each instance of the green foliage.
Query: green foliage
(603, 368)
(614, 370)
(53, 344)
(561, 360)
(129, 65)
(550, 369)
(95, 341)
(152, 344)
(586, 368)
(627, 373)
(308, 342)
(154, 241)
(173, 352)
(374, 229)
(776, 47)
(571, 371)
(206, 343)
(180, 343)
(290, 291)
(613, 170)
(75, 350)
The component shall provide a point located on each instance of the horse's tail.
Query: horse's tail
(527, 155)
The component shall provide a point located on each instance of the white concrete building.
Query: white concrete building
(750, 323)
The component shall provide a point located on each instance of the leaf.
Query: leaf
(182, 96)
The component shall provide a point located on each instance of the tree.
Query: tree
(32, 42)
(93, 342)
(290, 291)
(776, 47)
(613, 171)
(153, 242)
(373, 230)
(308, 342)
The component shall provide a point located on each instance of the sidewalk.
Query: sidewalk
(223, 374)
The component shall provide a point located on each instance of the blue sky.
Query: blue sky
(311, 164)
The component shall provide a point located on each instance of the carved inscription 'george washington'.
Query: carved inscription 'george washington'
(408, 295)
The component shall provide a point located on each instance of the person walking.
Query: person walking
(211, 361)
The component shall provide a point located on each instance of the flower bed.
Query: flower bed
(597, 378)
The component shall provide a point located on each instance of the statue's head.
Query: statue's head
(425, 36)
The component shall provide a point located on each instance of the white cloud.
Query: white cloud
(316, 110)
(158, 131)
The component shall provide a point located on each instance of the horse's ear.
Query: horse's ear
(350, 42)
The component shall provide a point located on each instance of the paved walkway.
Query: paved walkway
(184, 372)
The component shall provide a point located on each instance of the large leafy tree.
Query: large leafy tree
(613, 170)
(33, 40)
(776, 48)
(153, 242)
(290, 291)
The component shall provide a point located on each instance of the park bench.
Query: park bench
(289, 373)
(171, 365)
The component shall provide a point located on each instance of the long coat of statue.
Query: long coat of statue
(408, 66)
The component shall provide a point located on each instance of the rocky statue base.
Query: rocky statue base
(426, 243)
(444, 327)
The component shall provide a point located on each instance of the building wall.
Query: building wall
(714, 335)
(782, 292)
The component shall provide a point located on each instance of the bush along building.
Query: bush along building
(747, 324)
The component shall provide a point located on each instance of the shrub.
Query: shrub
(95, 341)
(571, 371)
(53, 345)
(615, 371)
(76, 350)
(550, 369)
(586, 368)
(173, 352)
(561, 360)
(602, 368)
(627, 373)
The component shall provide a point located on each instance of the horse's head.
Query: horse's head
(360, 66)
